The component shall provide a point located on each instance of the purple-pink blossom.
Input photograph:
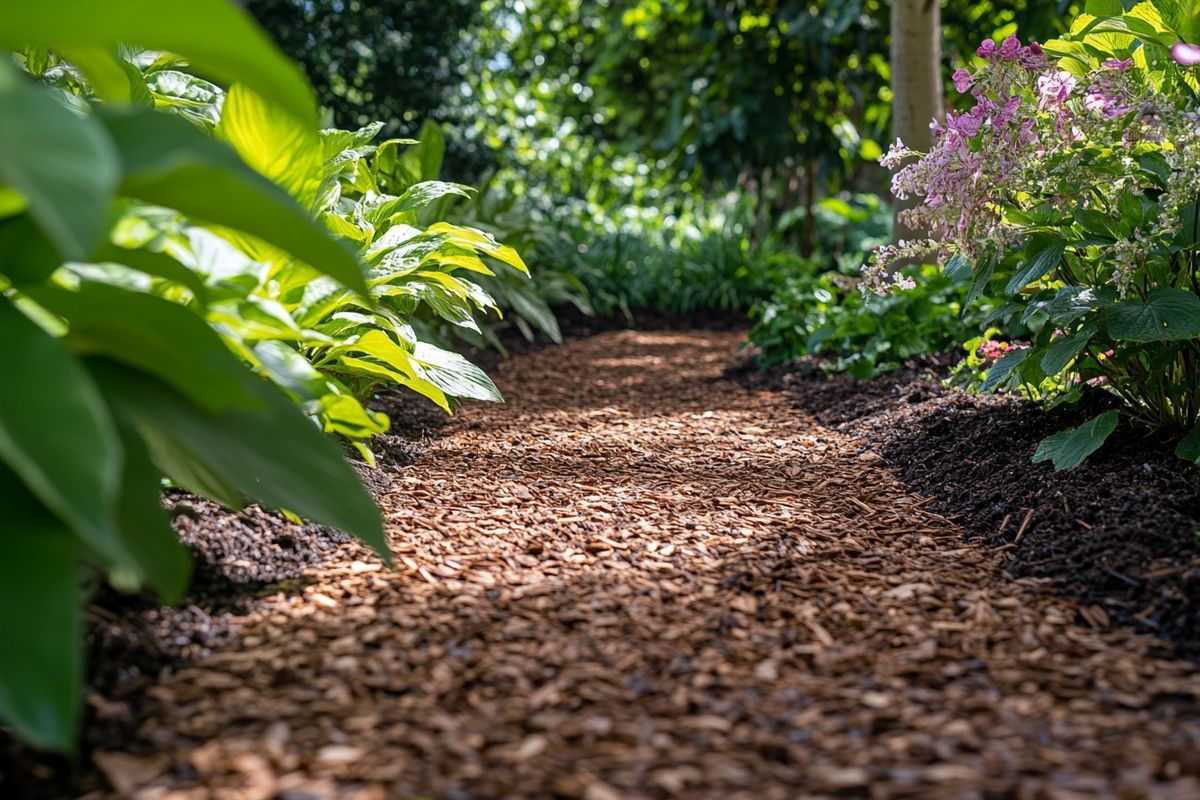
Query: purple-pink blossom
(1186, 54)
(992, 350)
(1008, 113)
(1019, 145)
(1055, 88)
(962, 80)
(1099, 102)
(1033, 57)
(1010, 49)
(965, 125)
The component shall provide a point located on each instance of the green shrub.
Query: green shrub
(826, 315)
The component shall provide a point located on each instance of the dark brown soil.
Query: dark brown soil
(1120, 534)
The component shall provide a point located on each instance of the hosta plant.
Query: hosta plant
(1070, 184)
(180, 263)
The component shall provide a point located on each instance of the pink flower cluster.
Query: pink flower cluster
(992, 350)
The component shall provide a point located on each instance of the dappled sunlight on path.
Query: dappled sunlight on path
(636, 580)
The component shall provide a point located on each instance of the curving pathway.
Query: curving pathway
(638, 580)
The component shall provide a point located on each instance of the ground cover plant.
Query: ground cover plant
(1070, 186)
(168, 243)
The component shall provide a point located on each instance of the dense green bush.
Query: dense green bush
(396, 61)
(180, 265)
(826, 315)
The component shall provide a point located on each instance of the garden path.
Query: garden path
(638, 579)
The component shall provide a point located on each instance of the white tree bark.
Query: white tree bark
(917, 96)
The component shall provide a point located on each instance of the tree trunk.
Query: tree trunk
(916, 80)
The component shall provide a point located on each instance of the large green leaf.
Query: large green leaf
(1189, 446)
(160, 560)
(170, 163)
(999, 374)
(1065, 349)
(275, 456)
(154, 335)
(453, 374)
(417, 162)
(1167, 314)
(1068, 449)
(1073, 302)
(26, 254)
(160, 265)
(56, 432)
(380, 210)
(62, 164)
(278, 146)
(216, 37)
(41, 637)
(1036, 267)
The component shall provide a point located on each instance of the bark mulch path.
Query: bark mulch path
(640, 580)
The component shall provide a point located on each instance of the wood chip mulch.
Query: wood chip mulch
(639, 580)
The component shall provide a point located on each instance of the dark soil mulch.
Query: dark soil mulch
(1121, 533)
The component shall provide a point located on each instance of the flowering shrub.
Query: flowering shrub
(1071, 184)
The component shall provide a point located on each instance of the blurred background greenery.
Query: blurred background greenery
(704, 157)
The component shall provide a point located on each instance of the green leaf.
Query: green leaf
(1035, 268)
(1065, 349)
(958, 268)
(982, 276)
(277, 146)
(215, 36)
(335, 142)
(1073, 302)
(1104, 8)
(1166, 315)
(1097, 224)
(154, 335)
(160, 265)
(274, 456)
(345, 415)
(1068, 449)
(26, 254)
(479, 242)
(111, 77)
(170, 163)
(41, 635)
(195, 99)
(161, 560)
(56, 432)
(62, 164)
(1189, 446)
(424, 160)
(453, 374)
(414, 198)
(999, 373)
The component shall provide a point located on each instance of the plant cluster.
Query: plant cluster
(1071, 186)
(191, 273)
